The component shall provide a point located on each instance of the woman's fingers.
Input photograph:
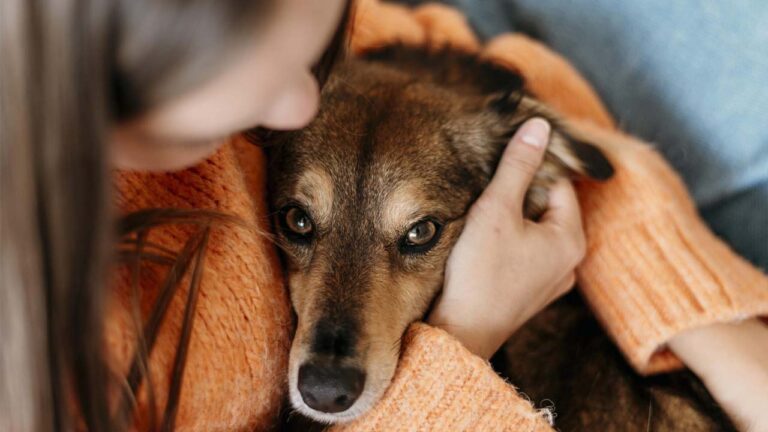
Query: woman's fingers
(564, 216)
(563, 207)
(518, 164)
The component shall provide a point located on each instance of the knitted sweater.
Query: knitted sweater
(652, 269)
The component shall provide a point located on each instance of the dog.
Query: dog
(368, 200)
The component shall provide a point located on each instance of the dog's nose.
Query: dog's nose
(330, 389)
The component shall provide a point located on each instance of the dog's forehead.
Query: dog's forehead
(389, 149)
(362, 138)
(359, 171)
(391, 178)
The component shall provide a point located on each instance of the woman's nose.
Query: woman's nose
(296, 106)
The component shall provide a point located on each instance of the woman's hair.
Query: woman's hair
(69, 71)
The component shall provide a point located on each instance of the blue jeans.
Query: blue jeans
(689, 76)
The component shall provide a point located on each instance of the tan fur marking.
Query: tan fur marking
(315, 187)
(401, 207)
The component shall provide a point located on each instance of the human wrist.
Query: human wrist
(480, 338)
(732, 361)
(712, 350)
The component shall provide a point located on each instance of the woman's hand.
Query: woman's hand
(732, 361)
(504, 268)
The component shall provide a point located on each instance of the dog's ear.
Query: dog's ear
(505, 101)
(568, 157)
(566, 150)
(580, 157)
(501, 90)
(504, 93)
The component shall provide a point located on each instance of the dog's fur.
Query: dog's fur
(404, 136)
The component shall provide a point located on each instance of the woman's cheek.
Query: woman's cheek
(296, 106)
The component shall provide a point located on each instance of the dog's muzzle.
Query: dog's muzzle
(329, 381)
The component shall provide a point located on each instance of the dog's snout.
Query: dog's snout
(335, 340)
(330, 389)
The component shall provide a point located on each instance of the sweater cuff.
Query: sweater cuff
(376, 24)
(653, 268)
(439, 385)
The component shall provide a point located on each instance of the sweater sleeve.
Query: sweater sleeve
(653, 268)
(379, 23)
(439, 385)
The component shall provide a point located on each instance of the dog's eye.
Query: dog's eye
(420, 237)
(421, 233)
(296, 224)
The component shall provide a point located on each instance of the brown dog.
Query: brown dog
(370, 198)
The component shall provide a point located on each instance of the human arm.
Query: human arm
(654, 271)
(440, 385)
(732, 361)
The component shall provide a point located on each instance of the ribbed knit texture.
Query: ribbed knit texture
(652, 269)
(440, 386)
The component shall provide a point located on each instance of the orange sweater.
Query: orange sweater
(653, 269)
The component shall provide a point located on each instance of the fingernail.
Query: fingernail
(535, 132)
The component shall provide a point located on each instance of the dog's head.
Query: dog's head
(370, 198)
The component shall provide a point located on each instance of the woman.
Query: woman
(86, 86)
(89, 85)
